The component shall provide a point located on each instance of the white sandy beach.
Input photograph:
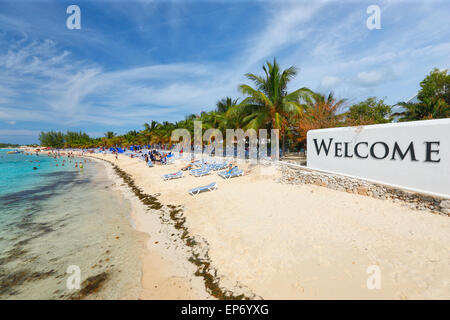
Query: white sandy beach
(289, 242)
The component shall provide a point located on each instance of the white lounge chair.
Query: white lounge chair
(171, 176)
(210, 187)
(235, 172)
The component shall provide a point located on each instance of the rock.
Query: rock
(362, 191)
(446, 211)
(332, 186)
(445, 204)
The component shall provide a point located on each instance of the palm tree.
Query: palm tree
(225, 104)
(110, 134)
(212, 119)
(429, 108)
(150, 130)
(269, 105)
(131, 137)
(320, 112)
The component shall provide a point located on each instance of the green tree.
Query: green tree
(435, 86)
(110, 134)
(369, 111)
(225, 104)
(434, 98)
(269, 104)
(430, 108)
(53, 139)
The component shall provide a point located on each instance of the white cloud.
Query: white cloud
(329, 82)
(370, 78)
(40, 83)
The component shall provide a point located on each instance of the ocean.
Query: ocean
(56, 219)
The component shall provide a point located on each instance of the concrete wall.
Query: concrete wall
(412, 155)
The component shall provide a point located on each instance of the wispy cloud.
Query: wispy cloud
(128, 67)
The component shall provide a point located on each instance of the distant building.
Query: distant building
(397, 110)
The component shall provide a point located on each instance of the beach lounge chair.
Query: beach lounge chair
(150, 163)
(219, 166)
(201, 172)
(197, 163)
(203, 167)
(235, 172)
(171, 176)
(210, 187)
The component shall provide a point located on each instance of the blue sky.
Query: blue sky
(137, 61)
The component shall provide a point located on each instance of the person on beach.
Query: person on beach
(231, 167)
(189, 166)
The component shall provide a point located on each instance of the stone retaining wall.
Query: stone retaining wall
(418, 201)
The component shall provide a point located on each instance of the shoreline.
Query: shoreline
(195, 251)
(297, 247)
(62, 217)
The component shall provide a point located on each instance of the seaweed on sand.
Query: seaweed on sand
(202, 263)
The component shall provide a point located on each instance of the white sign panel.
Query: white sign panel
(412, 155)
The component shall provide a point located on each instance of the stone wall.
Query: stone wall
(418, 201)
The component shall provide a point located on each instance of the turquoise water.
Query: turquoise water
(57, 216)
(17, 174)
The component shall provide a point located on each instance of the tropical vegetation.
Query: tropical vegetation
(433, 98)
(8, 145)
(268, 103)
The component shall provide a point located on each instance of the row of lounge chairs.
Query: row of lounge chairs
(227, 174)
(203, 170)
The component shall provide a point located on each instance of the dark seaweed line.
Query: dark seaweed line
(203, 264)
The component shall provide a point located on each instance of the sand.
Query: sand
(281, 241)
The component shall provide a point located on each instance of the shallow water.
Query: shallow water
(58, 216)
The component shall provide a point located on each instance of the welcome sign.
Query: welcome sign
(411, 155)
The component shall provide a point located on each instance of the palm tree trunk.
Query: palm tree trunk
(284, 143)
